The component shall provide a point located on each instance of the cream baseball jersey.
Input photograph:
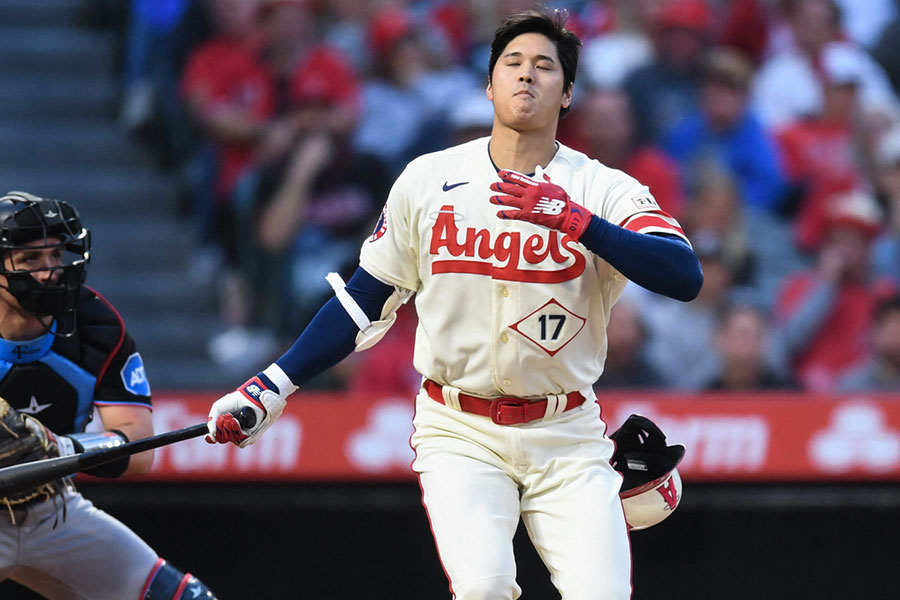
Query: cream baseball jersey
(506, 308)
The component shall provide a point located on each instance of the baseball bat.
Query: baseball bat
(19, 478)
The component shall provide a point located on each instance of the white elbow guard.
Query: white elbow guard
(369, 332)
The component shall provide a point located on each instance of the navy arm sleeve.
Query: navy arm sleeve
(662, 264)
(331, 335)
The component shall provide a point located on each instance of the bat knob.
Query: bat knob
(246, 417)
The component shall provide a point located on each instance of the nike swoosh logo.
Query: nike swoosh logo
(447, 188)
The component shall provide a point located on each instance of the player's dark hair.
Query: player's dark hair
(552, 25)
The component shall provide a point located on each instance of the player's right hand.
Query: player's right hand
(258, 393)
(540, 202)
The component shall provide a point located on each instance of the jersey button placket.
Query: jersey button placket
(505, 351)
(506, 308)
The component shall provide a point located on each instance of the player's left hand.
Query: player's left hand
(540, 202)
(267, 403)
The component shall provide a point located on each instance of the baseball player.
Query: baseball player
(64, 351)
(515, 247)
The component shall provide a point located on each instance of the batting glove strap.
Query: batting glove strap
(540, 202)
(279, 379)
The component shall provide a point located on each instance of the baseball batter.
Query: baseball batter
(64, 350)
(515, 247)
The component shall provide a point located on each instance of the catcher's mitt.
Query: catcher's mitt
(19, 444)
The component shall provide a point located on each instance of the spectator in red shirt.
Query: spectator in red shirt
(227, 91)
(602, 126)
(824, 314)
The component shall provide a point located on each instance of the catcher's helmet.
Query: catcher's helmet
(26, 219)
(651, 486)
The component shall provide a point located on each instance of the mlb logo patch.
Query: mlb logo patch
(645, 202)
(381, 226)
(134, 377)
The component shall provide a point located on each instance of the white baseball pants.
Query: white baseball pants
(478, 478)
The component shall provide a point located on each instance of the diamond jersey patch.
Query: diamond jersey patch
(550, 327)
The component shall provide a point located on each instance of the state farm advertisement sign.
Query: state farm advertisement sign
(728, 437)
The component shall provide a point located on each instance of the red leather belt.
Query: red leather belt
(503, 411)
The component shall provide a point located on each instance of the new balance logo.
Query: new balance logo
(253, 390)
(549, 207)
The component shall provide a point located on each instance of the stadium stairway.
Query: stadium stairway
(59, 137)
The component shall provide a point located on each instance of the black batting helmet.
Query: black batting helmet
(26, 219)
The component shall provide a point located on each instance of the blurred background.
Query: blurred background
(227, 154)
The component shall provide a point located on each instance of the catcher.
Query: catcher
(64, 351)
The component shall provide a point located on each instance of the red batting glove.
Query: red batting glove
(539, 202)
(227, 430)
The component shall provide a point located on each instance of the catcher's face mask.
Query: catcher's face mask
(45, 255)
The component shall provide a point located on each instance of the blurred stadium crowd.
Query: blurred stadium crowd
(769, 128)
